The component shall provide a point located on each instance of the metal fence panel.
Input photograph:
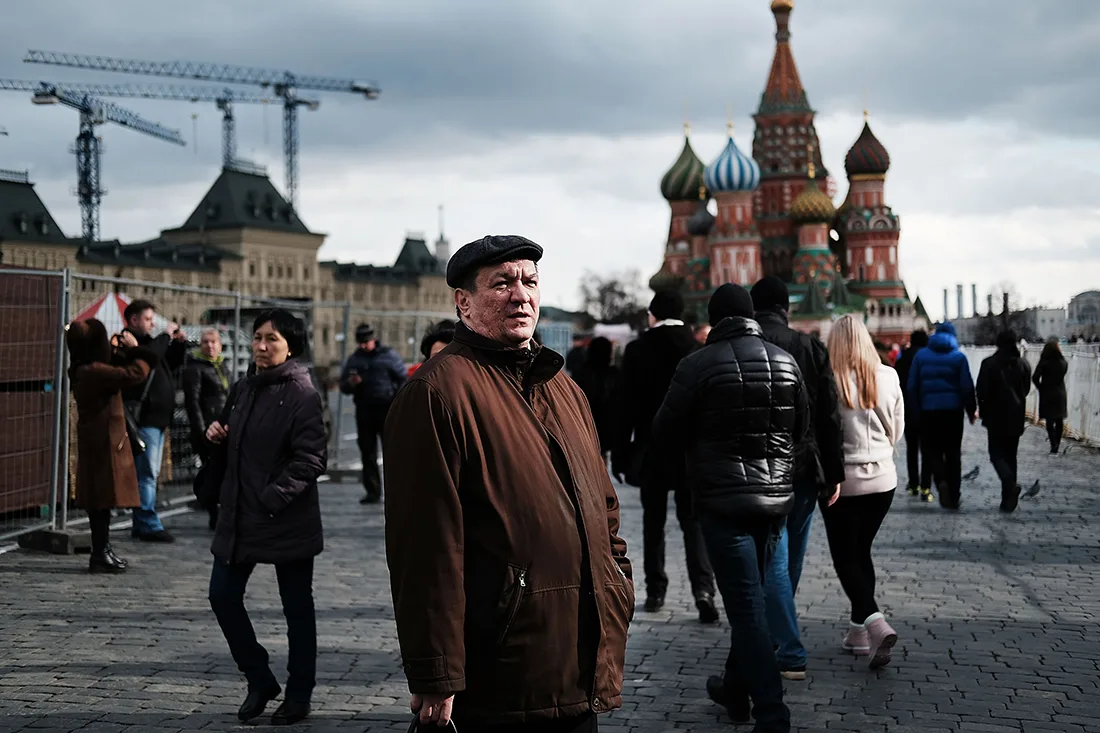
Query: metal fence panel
(31, 371)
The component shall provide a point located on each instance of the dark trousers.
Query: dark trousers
(581, 724)
(851, 525)
(369, 422)
(1054, 433)
(1003, 446)
(654, 516)
(99, 522)
(920, 473)
(741, 555)
(227, 586)
(941, 435)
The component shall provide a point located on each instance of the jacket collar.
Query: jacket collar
(288, 370)
(734, 327)
(538, 362)
(772, 316)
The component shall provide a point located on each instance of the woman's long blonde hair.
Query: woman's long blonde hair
(854, 359)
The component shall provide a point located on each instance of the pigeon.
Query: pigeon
(1033, 491)
(972, 474)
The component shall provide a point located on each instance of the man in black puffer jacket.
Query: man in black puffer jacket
(818, 469)
(737, 408)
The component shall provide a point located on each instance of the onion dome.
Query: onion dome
(732, 170)
(665, 279)
(702, 221)
(778, 5)
(812, 206)
(684, 178)
(868, 157)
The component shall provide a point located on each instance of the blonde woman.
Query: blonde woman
(872, 414)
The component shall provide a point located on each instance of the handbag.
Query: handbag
(132, 411)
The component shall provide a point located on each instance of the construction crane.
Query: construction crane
(223, 98)
(93, 111)
(285, 84)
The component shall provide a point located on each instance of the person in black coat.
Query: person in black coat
(272, 449)
(1004, 380)
(819, 468)
(1050, 380)
(920, 472)
(737, 408)
(648, 365)
(599, 379)
(205, 387)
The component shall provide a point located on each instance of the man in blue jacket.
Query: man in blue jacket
(373, 374)
(941, 389)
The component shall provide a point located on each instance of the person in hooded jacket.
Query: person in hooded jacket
(599, 379)
(205, 387)
(920, 471)
(105, 476)
(1004, 381)
(372, 375)
(1050, 380)
(737, 410)
(272, 448)
(941, 390)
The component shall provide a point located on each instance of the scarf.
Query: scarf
(218, 362)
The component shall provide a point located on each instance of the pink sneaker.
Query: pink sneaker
(856, 640)
(882, 639)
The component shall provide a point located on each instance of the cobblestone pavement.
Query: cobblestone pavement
(997, 617)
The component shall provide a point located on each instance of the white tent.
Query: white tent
(109, 308)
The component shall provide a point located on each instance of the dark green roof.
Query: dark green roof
(814, 303)
(23, 216)
(919, 307)
(244, 197)
(840, 295)
(415, 257)
(155, 253)
(414, 261)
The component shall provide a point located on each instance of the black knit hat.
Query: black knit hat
(729, 301)
(364, 332)
(771, 293)
(667, 304)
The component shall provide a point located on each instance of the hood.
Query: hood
(290, 370)
(943, 340)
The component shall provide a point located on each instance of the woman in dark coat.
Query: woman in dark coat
(273, 448)
(599, 381)
(1050, 378)
(205, 386)
(434, 341)
(105, 474)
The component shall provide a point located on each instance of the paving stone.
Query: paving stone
(996, 617)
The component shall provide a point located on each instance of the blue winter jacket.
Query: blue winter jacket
(940, 378)
(383, 373)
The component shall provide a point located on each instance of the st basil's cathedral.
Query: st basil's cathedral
(775, 216)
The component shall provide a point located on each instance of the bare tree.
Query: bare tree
(1011, 315)
(612, 298)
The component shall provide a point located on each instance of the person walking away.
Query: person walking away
(153, 405)
(511, 586)
(737, 408)
(205, 387)
(819, 469)
(1004, 380)
(105, 475)
(942, 391)
(574, 358)
(872, 413)
(271, 449)
(920, 472)
(435, 340)
(599, 380)
(648, 365)
(1050, 380)
(372, 375)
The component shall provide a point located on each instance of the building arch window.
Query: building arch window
(252, 269)
(881, 272)
(869, 256)
(271, 271)
(893, 255)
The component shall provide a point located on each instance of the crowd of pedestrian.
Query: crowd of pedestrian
(512, 587)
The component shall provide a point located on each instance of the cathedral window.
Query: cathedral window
(881, 272)
(869, 256)
(893, 255)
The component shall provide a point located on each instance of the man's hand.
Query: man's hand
(216, 433)
(177, 332)
(127, 340)
(354, 379)
(433, 708)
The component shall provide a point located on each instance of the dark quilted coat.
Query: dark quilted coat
(274, 454)
(738, 408)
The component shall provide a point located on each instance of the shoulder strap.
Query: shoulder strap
(144, 394)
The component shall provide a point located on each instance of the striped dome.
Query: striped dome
(868, 157)
(732, 171)
(684, 178)
(812, 206)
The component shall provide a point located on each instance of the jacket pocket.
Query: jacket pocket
(513, 599)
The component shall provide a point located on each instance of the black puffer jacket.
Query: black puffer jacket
(204, 393)
(738, 408)
(820, 456)
(1004, 381)
(160, 400)
(269, 467)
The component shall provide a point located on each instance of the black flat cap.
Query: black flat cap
(490, 250)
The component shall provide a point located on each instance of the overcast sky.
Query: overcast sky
(557, 118)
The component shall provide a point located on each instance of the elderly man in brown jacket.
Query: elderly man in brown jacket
(511, 587)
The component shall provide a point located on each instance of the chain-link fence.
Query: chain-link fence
(32, 318)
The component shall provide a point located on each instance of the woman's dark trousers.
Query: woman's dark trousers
(1054, 432)
(227, 587)
(99, 521)
(851, 525)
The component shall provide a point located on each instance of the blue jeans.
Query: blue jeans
(784, 572)
(739, 555)
(146, 520)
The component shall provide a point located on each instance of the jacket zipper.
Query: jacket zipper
(518, 591)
